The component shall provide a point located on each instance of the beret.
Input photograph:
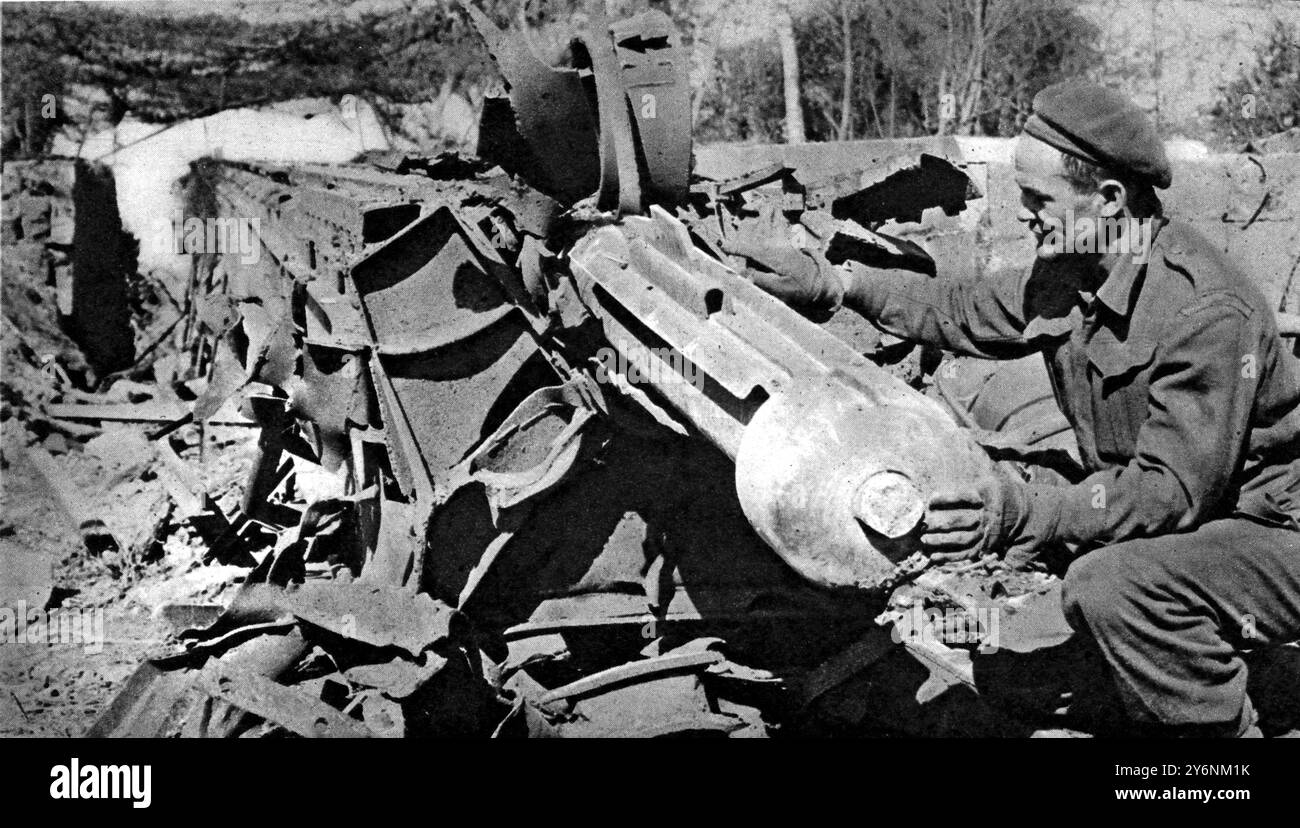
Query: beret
(1101, 126)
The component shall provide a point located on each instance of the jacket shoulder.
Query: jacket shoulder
(1210, 276)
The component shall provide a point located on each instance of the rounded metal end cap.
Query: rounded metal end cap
(890, 503)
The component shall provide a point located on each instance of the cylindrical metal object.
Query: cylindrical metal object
(837, 483)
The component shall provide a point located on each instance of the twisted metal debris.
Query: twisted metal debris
(537, 544)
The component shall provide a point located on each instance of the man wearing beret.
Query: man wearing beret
(1167, 362)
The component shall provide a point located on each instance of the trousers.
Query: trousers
(1171, 615)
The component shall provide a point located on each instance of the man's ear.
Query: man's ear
(1114, 198)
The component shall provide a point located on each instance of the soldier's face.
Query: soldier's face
(1047, 199)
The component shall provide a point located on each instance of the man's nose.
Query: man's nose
(1024, 214)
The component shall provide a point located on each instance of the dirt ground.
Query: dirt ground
(92, 615)
(55, 687)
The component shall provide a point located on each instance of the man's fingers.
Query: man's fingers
(946, 520)
(966, 496)
(951, 540)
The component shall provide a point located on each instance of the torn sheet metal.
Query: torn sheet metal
(286, 707)
(846, 240)
(381, 616)
(162, 698)
(665, 706)
(533, 449)
(446, 340)
(902, 194)
(382, 716)
(633, 671)
(398, 678)
(620, 180)
(332, 395)
(622, 133)
(373, 614)
(148, 705)
(550, 110)
(142, 413)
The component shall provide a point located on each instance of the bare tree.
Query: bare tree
(967, 28)
(707, 22)
(846, 92)
(794, 128)
(835, 107)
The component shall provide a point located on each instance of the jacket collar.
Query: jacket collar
(1116, 292)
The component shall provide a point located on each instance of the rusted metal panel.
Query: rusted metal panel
(427, 278)
(287, 707)
(632, 671)
(373, 614)
(140, 413)
(398, 678)
(378, 615)
(661, 707)
(629, 143)
(902, 193)
(551, 113)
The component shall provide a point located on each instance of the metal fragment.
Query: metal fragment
(284, 706)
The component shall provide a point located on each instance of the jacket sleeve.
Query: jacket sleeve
(981, 317)
(1200, 403)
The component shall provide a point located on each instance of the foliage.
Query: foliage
(167, 68)
(1265, 99)
(901, 57)
(28, 77)
(904, 55)
(745, 103)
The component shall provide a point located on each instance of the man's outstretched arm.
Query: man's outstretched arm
(982, 317)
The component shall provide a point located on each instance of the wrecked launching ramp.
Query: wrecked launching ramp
(537, 536)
